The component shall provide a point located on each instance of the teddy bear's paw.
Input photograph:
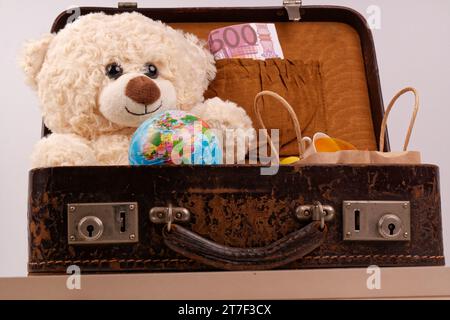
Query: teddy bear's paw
(112, 149)
(223, 115)
(236, 126)
(59, 150)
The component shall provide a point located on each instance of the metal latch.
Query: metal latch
(315, 212)
(127, 5)
(102, 223)
(377, 220)
(293, 9)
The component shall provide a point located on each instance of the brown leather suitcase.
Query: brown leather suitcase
(192, 218)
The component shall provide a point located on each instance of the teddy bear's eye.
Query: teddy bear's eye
(151, 71)
(114, 71)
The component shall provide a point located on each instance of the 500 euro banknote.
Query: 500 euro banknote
(250, 40)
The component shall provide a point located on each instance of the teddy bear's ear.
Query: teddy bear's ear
(33, 56)
(207, 57)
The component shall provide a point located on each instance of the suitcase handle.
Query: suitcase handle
(288, 249)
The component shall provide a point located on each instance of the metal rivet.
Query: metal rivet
(72, 238)
(72, 208)
(405, 235)
(132, 236)
(178, 215)
(160, 215)
(348, 204)
(348, 234)
(131, 206)
(405, 205)
(306, 213)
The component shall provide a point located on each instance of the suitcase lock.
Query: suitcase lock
(102, 223)
(377, 220)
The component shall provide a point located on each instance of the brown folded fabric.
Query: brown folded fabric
(300, 83)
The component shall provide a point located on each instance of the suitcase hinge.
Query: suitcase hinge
(168, 215)
(293, 9)
(315, 212)
(127, 5)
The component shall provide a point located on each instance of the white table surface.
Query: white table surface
(412, 283)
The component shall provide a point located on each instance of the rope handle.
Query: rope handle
(287, 106)
(413, 118)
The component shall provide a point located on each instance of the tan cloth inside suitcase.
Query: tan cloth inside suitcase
(322, 77)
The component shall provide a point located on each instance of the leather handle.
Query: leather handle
(288, 249)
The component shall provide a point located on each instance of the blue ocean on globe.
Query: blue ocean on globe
(175, 137)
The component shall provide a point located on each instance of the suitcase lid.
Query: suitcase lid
(335, 42)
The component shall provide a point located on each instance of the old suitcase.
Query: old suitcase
(190, 218)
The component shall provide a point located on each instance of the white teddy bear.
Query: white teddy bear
(100, 77)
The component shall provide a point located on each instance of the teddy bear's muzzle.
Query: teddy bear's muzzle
(143, 90)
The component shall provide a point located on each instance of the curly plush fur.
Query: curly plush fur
(85, 109)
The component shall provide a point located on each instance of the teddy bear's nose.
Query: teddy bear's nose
(142, 90)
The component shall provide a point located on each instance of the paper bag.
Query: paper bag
(351, 156)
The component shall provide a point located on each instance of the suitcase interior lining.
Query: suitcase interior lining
(336, 48)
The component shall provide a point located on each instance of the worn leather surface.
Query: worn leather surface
(252, 211)
(277, 254)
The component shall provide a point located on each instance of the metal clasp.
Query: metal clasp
(376, 220)
(127, 5)
(315, 212)
(102, 223)
(293, 9)
(168, 215)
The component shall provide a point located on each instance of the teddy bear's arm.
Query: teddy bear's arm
(57, 150)
(223, 114)
(111, 149)
(235, 124)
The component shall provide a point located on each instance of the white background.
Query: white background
(413, 47)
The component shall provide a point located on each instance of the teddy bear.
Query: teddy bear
(102, 76)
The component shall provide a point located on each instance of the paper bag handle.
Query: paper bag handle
(413, 118)
(287, 106)
(298, 131)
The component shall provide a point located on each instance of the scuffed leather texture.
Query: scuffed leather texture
(288, 249)
(246, 212)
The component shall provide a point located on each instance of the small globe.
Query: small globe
(174, 137)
